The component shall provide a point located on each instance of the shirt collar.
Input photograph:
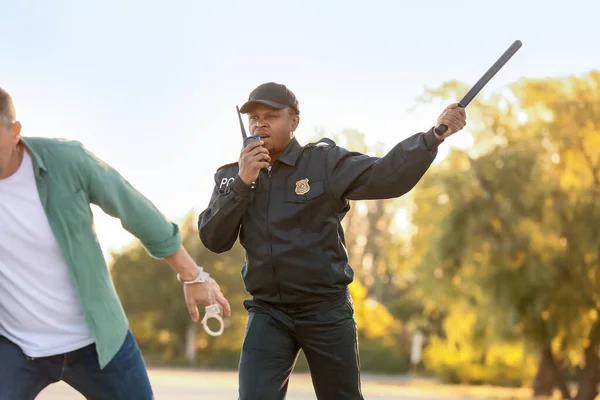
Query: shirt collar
(38, 163)
(291, 153)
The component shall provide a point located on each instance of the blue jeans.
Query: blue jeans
(124, 378)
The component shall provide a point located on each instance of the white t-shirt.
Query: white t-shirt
(39, 308)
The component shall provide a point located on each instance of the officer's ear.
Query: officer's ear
(295, 119)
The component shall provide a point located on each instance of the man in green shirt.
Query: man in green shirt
(60, 316)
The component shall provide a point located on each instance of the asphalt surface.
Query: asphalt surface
(172, 384)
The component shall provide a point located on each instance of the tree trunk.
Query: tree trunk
(588, 380)
(543, 384)
(190, 343)
(375, 240)
(548, 376)
(560, 382)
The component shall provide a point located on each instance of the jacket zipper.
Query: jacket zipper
(270, 237)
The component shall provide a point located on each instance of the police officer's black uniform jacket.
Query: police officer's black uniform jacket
(289, 222)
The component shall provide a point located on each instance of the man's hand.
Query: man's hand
(252, 158)
(454, 117)
(205, 293)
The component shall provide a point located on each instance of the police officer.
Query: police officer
(286, 202)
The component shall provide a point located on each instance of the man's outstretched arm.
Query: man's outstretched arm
(160, 237)
(356, 176)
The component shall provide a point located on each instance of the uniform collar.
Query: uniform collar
(291, 153)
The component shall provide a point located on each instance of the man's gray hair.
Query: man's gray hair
(7, 108)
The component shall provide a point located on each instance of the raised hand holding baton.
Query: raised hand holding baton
(464, 102)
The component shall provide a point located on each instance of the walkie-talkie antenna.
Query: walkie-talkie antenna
(241, 123)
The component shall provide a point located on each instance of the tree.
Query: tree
(510, 230)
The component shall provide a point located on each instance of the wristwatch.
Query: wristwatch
(202, 277)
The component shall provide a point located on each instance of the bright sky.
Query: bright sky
(151, 88)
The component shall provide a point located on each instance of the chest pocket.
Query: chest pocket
(305, 207)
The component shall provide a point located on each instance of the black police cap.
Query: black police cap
(271, 94)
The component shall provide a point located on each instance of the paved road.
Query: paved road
(187, 385)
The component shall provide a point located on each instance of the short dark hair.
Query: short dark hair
(7, 108)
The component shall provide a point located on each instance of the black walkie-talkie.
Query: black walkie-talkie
(247, 139)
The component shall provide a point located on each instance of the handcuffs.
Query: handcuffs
(211, 311)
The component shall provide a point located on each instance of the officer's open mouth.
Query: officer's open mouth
(261, 135)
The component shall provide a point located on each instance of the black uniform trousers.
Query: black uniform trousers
(272, 343)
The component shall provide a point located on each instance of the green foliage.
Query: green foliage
(465, 354)
(510, 229)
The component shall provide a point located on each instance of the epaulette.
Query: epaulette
(325, 142)
(227, 165)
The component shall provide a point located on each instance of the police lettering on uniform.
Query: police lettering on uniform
(286, 203)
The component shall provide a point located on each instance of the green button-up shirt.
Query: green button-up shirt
(69, 178)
